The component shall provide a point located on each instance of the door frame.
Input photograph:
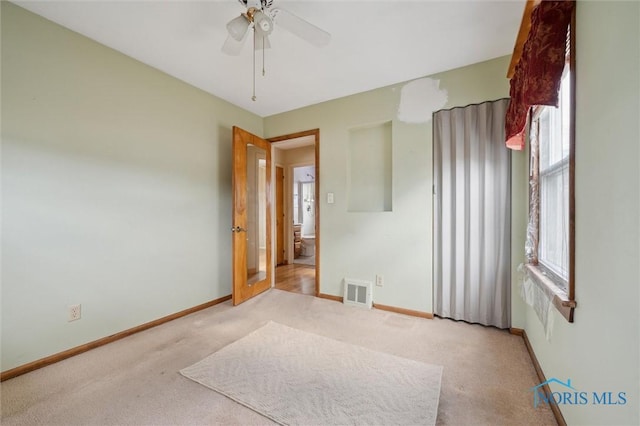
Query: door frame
(278, 207)
(316, 134)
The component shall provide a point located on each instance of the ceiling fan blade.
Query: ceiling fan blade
(232, 46)
(298, 26)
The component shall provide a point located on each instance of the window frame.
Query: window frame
(563, 298)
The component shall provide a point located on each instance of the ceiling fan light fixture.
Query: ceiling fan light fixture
(238, 27)
(263, 24)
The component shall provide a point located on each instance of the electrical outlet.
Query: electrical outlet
(74, 312)
(379, 280)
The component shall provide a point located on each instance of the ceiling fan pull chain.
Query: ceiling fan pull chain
(253, 98)
(264, 49)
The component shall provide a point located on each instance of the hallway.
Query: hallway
(296, 278)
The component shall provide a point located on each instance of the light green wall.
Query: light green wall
(116, 186)
(394, 244)
(600, 351)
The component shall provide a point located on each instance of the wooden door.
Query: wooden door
(251, 215)
(280, 225)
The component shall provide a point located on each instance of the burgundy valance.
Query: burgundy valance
(537, 76)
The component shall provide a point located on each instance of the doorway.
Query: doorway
(303, 215)
(297, 221)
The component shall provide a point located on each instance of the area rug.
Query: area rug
(298, 378)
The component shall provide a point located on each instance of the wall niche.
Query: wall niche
(369, 174)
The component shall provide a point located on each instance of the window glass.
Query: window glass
(554, 140)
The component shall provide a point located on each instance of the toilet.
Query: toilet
(308, 245)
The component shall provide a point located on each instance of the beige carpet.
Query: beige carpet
(299, 378)
(136, 381)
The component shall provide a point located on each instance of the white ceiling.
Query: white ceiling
(374, 43)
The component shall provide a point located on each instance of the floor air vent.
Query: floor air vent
(357, 293)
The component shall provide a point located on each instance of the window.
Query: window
(553, 149)
(551, 210)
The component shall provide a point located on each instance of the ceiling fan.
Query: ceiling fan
(261, 17)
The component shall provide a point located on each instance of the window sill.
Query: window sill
(561, 300)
